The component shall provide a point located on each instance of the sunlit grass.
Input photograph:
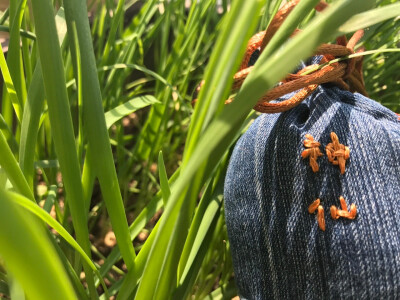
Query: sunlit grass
(87, 106)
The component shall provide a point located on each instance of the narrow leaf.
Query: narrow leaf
(127, 108)
(165, 190)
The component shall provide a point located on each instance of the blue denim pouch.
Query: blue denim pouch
(278, 250)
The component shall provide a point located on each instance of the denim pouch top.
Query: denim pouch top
(278, 250)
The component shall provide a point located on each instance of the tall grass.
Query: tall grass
(89, 101)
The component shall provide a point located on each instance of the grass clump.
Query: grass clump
(89, 99)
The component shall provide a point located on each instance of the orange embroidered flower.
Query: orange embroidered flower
(313, 151)
(337, 213)
(337, 153)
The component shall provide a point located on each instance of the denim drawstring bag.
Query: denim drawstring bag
(278, 248)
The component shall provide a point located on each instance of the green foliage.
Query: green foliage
(87, 105)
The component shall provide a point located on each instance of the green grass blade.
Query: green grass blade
(116, 20)
(10, 165)
(33, 110)
(136, 67)
(16, 291)
(96, 130)
(30, 125)
(61, 25)
(132, 278)
(61, 122)
(42, 214)
(12, 142)
(135, 228)
(10, 86)
(206, 217)
(5, 16)
(371, 17)
(14, 57)
(78, 68)
(227, 291)
(23, 33)
(140, 222)
(128, 107)
(29, 254)
(165, 190)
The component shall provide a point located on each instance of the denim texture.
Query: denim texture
(278, 250)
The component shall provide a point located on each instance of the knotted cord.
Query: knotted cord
(345, 74)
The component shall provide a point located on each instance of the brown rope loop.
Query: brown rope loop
(346, 74)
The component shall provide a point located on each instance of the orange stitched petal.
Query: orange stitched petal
(321, 218)
(313, 206)
(353, 211)
(334, 214)
(343, 203)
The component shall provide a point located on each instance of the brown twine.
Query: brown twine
(345, 74)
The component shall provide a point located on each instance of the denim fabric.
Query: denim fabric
(278, 250)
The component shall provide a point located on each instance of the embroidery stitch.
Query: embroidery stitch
(321, 218)
(313, 206)
(337, 153)
(313, 151)
(320, 213)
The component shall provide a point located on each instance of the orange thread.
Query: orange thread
(337, 153)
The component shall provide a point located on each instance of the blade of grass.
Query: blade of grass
(5, 16)
(10, 165)
(96, 131)
(37, 267)
(128, 107)
(33, 109)
(135, 228)
(14, 57)
(371, 17)
(140, 222)
(165, 190)
(78, 67)
(201, 232)
(24, 33)
(224, 292)
(43, 215)
(10, 85)
(61, 123)
(30, 125)
(12, 142)
(113, 30)
(136, 67)
(16, 291)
